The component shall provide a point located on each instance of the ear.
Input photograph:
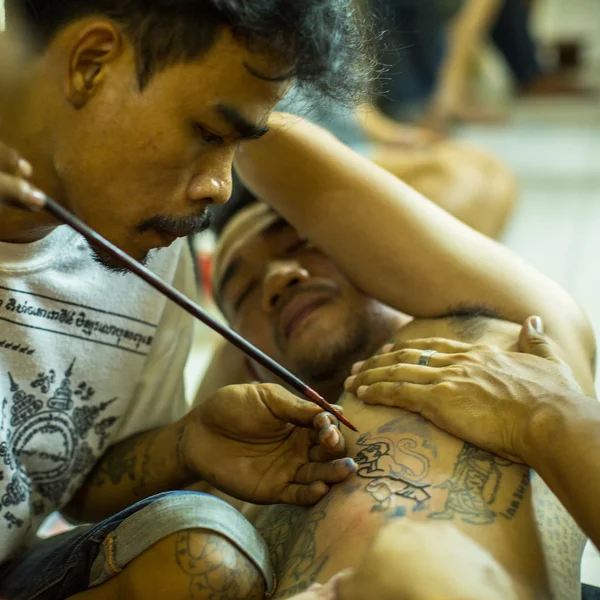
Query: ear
(96, 46)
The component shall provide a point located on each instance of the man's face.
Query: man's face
(292, 301)
(142, 167)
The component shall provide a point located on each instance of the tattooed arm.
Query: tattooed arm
(253, 442)
(132, 470)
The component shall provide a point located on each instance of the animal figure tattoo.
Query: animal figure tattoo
(396, 469)
(473, 487)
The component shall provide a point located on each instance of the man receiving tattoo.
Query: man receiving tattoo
(320, 306)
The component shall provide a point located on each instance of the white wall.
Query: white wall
(560, 19)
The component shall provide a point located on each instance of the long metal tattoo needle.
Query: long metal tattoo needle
(63, 215)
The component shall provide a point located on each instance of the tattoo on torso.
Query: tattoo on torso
(473, 487)
(400, 470)
(291, 535)
(379, 460)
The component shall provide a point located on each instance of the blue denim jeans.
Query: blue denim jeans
(90, 555)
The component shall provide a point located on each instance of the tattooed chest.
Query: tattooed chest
(400, 479)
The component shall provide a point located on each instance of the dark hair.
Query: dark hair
(470, 321)
(328, 42)
(240, 199)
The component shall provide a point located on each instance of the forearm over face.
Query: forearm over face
(134, 469)
(396, 245)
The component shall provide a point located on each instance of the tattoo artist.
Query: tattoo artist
(523, 405)
(129, 114)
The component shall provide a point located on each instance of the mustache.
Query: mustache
(180, 227)
(306, 289)
(314, 287)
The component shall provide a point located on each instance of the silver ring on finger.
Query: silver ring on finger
(425, 357)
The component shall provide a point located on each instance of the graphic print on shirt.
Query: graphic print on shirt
(59, 415)
(17, 347)
(77, 321)
(48, 420)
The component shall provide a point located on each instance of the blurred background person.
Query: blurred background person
(431, 54)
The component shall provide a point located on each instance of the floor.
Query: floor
(554, 148)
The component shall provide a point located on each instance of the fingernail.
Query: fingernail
(341, 575)
(24, 168)
(351, 464)
(357, 367)
(537, 325)
(39, 198)
(387, 348)
(362, 390)
(314, 587)
(332, 437)
(33, 199)
(349, 382)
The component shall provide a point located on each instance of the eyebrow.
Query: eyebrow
(246, 129)
(235, 265)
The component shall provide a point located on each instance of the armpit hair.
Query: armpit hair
(469, 320)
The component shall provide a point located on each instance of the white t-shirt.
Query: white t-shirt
(87, 358)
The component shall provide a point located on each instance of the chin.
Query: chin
(325, 354)
(114, 264)
(318, 332)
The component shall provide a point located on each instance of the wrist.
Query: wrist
(177, 440)
(192, 452)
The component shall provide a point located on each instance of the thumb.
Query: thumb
(342, 586)
(287, 407)
(533, 341)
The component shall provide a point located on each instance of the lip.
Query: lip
(298, 309)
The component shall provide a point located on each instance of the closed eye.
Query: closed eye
(238, 303)
(297, 246)
(208, 136)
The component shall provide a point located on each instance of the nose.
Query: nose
(214, 187)
(281, 276)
